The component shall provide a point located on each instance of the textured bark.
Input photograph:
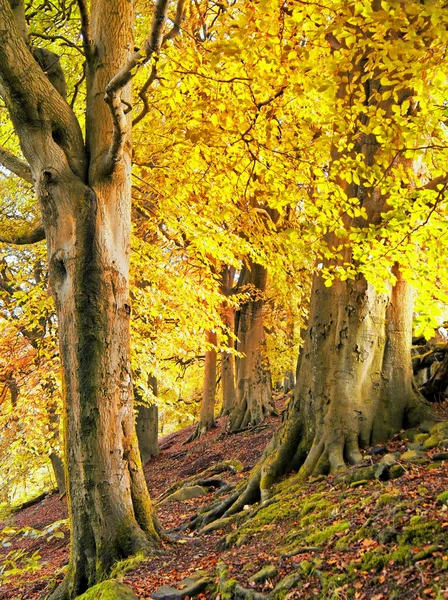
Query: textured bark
(86, 217)
(207, 412)
(59, 471)
(147, 425)
(254, 389)
(147, 431)
(227, 358)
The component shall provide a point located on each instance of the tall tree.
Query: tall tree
(253, 378)
(354, 381)
(83, 188)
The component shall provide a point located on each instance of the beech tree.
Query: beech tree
(354, 379)
(84, 191)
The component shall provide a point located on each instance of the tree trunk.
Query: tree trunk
(207, 414)
(147, 431)
(59, 471)
(254, 389)
(227, 358)
(147, 425)
(84, 196)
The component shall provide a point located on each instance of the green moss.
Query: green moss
(443, 498)
(109, 590)
(441, 564)
(363, 532)
(419, 533)
(373, 561)
(400, 555)
(433, 441)
(321, 537)
(422, 490)
(128, 564)
(343, 543)
(377, 560)
(386, 499)
(416, 519)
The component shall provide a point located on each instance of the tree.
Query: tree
(83, 188)
(354, 380)
(253, 378)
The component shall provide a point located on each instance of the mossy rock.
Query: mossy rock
(412, 455)
(359, 483)
(440, 456)
(387, 499)
(434, 465)
(109, 590)
(387, 535)
(433, 441)
(426, 426)
(186, 493)
(267, 572)
(421, 437)
(440, 429)
(409, 434)
(324, 535)
(287, 583)
(396, 471)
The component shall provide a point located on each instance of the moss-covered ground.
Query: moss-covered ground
(329, 538)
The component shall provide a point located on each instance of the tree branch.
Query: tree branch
(112, 97)
(85, 28)
(15, 165)
(432, 185)
(53, 38)
(172, 33)
(32, 235)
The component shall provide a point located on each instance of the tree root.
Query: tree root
(205, 475)
(198, 432)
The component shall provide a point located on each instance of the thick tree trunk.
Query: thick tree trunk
(147, 425)
(84, 195)
(254, 388)
(207, 413)
(354, 386)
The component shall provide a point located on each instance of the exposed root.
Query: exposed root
(199, 431)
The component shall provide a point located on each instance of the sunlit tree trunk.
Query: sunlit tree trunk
(228, 358)
(207, 411)
(84, 196)
(253, 378)
(147, 425)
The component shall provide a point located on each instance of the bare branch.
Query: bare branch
(35, 233)
(15, 165)
(112, 97)
(53, 38)
(172, 33)
(85, 28)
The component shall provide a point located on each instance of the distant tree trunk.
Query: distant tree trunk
(147, 425)
(207, 413)
(59, 471)
(227, 358)
(254, 388)
(435, 388)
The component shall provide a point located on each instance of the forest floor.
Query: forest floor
(347, 537)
